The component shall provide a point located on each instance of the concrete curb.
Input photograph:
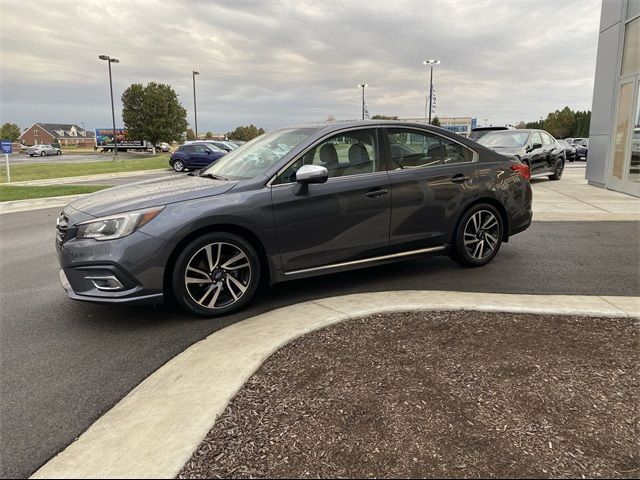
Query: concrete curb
(153, 431)
(16, 206)
(82, 178)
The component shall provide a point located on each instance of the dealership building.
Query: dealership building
(614, 137)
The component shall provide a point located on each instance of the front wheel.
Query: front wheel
(478, 236)
(59, 152)
(557, 173)
(42, 154)
(216, 274)
(178, 166)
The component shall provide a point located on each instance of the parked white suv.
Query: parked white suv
(43, 149)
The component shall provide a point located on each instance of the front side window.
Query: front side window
(413, 148)
(546, 138)
(536, 138)
(345, 154)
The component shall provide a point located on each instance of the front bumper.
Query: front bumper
(135, 300)
(126, 270)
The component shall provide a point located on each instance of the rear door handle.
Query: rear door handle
(378, 192)
(459, 178)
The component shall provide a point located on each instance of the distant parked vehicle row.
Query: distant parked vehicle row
(43, 149)
(542, 153)
(570, 151)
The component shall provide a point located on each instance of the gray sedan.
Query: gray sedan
(43, 149)
(290, 204)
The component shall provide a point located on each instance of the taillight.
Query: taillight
(522, 169)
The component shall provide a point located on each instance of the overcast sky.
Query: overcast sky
(277, 63)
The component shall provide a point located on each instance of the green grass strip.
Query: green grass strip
(39, 171)
(19, 192)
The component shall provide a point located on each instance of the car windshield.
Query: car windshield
(504, 139)
(256, 157)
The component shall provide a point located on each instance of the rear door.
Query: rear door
(344, 219)
(431, 177)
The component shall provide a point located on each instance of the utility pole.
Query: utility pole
(195, 108)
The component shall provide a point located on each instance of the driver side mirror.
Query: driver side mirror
(536, 146)
(307, 174)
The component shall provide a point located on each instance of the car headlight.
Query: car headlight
(116, 226)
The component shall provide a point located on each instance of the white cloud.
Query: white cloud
(280, 63)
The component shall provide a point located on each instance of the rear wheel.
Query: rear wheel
(59, 152)
(478, 236)
(216, 274)
(42, 153)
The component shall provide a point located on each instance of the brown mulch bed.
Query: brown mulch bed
(453, 394)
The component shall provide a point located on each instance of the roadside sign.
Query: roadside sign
(5, 147)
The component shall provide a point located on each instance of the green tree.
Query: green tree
(521, 125)
(10, 131)
(560, 123)
(245, 133)
(208, 136)
(582, 124)
(153, 113)
(436, 122)
(384, 117)
(191, 135)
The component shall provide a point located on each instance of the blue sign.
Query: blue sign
(5, 145)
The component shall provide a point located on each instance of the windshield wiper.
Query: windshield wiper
(214, 176)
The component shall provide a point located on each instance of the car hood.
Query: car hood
(150, 193)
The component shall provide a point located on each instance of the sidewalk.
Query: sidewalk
(83, 178)
(154, 430)
(573, 199)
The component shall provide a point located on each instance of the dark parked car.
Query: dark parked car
(194, 155)
(290, 204)
(479, 132)
(536, 148)
(582, 148)
(569, 151)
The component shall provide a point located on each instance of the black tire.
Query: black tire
(557, 173)
(178, 166)
(217, 283)
(460, 252)
(42, 153)
(59, 152)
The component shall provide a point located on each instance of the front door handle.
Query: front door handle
(378, 192)
(459, 178)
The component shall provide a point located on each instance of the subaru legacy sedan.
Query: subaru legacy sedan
(293, 203)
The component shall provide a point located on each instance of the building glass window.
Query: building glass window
(36, 133)
(631, 49)
(634, 164)
(621, 137)
(633, 8)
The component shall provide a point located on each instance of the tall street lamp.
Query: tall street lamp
(195, 109)
(363, 85)
(431, 63)
(109, 61)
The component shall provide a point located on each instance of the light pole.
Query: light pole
(195, 109)
(431, 63)
(109, 61)
(363, 85)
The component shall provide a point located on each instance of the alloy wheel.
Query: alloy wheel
(218, 275)
(481, 234)
(178, 166)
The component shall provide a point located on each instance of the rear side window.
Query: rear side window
(414, 148)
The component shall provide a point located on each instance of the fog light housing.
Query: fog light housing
(105, 282)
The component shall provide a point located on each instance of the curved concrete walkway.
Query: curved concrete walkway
(154, 430)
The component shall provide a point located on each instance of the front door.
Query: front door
(431, 177)
(346, 218)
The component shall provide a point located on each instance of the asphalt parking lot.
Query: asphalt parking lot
(63, 363)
